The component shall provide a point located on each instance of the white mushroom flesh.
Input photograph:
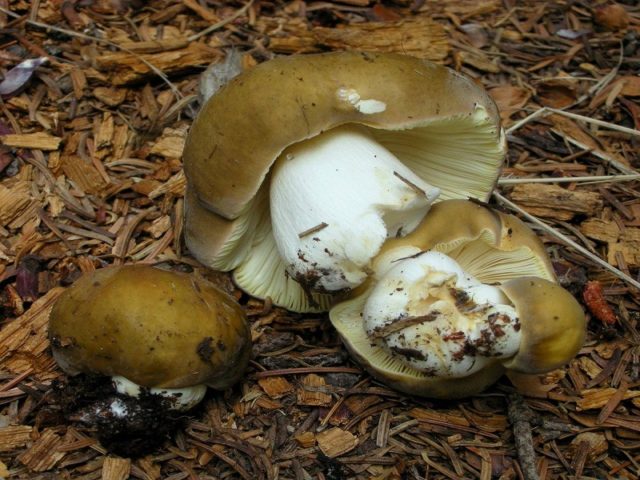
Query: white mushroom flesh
(439, 319)
(335, 199)
(181, 399)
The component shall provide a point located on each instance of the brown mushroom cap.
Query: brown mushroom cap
(552, 322)
(154, 327)
(246, 125)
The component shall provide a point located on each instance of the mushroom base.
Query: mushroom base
(128, 426)
(436, 388)
(346, 319)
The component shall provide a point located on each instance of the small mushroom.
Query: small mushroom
(164, 332)
(493, 245)
(553, 324)
(447, 325)
(299, 169)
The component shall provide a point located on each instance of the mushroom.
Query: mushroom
(463, 299)
(151, 330)
(299, 169)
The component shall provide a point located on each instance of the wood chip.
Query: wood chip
(43, 454)
(335, 442)
(14, 201)
(597, 443)
(176, 186)
(440, 417)
(24, 343)
(13, 437)
(110, 96)
(38, 140)
(598, 397)
(171, 143)
(306, 439)
(84, 174)
(418, 36)
(115, 468)
(313, 391)
(552, 201)
(625, 242)
(275, 387)
(156, 46)
(125, 68)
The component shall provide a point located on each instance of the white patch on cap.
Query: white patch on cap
(371, 106)
(366, 106)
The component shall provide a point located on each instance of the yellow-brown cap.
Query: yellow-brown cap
(491, 245)
(245, 126)
(553, 325)
(440, 124)
(154, 327)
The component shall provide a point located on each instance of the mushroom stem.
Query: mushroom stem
(359, 193)
(439, 319)
(181, 399)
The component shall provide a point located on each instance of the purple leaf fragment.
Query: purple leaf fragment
(27, 278)
(18, 76)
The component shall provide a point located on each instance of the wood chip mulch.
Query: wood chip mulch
(90, 175)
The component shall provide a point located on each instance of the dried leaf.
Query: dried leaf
(19, 75)
(27, 278)
(219, 74)
(631, 87)
(476, 34)
(597, 443)
(556, 95)
(509, 99)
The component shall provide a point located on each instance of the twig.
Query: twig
(595, 121)
(520, 417)
(586, 180)
(309, 231)
(544, 111)
(618, 273)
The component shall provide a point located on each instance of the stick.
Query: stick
(520, 416)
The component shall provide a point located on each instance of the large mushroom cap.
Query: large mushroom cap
(156, 328)
(552, 321)
(441, 125)
(244, 127)
(492, 246)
